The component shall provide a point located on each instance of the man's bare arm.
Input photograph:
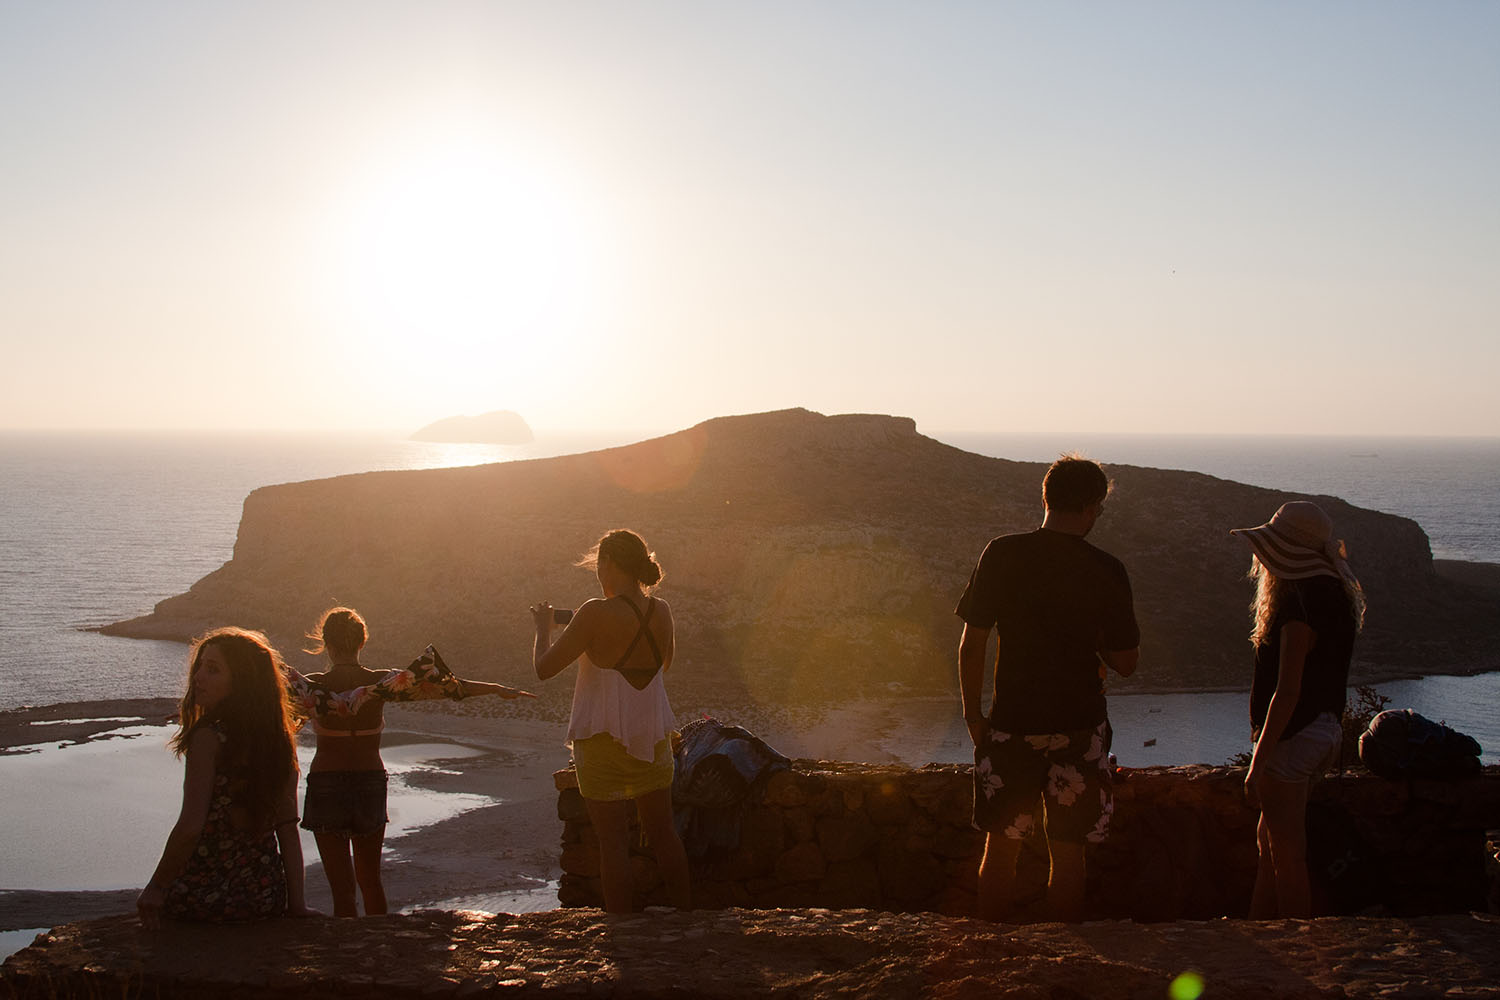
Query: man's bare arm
(971, 647)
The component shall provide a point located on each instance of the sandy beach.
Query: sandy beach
(497, 857)
(504, 854)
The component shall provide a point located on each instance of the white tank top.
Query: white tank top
(605, 702)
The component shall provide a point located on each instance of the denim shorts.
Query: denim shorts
(1308, 753)
(351, 803)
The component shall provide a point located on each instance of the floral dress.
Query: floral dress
(234, 873)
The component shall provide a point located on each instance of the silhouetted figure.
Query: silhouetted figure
(1308, 607)
(346, 782)
(234, 853)
(622, 723)
(1063, 611)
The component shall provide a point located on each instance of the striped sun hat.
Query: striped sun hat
(1298, 543)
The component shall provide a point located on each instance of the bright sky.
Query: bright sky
(1148, 216)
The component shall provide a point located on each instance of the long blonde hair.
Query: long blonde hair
(1271, 592)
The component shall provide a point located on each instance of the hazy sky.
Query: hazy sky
(1141, 216)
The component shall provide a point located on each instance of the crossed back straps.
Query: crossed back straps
(639, 677)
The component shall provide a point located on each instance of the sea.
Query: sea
(97, 527)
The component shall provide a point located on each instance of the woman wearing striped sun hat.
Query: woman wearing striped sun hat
(1307, 610)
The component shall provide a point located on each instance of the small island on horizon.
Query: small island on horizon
(494, 427)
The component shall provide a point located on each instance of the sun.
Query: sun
(465, 261)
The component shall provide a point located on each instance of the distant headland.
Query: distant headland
(808, 558)
(495, 427)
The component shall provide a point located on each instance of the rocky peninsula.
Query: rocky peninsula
(808, 558)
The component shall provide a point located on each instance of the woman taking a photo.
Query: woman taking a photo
(234, 853)
(621, 725)
(1308, 607)
(346, 782)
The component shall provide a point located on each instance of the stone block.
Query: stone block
(785, 788)
(574, 890)
(802, 863)
(844, 838)
(800, 824)
(580, 859)
(909, 877)
(850, 885)
(955, 901)
(956, 844)
(570, 806)
(718, 894)
(763, 835)
(930, 788)
(887, 805)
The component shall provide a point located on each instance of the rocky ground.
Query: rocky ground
(744, 953)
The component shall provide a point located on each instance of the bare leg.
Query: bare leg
(333, 849)
(1283, 810)
(656, 819)
(1263, 899)
(612, 823)
(997, 876)
(1065, 883)
(367, 871)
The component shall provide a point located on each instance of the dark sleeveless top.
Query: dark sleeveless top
(1320, 603)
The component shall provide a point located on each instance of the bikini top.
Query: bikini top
(323, 730)
(639, 677)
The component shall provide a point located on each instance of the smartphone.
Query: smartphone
(562, 615)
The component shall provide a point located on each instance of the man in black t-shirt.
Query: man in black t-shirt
(1063, 612)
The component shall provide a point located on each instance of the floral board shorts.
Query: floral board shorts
(1068, 771)
(348, 802)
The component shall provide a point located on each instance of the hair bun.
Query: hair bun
(650, 574)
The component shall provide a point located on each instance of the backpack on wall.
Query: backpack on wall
(1400, 743)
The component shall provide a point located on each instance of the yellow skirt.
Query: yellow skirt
(606, 773)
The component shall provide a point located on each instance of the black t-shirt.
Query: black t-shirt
(1056, 602)
(1321, 603)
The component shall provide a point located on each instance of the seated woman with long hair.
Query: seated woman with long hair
(621, 725)
(234, 853)
(1307, 610)
(346, 781)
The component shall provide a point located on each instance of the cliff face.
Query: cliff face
(806, 556)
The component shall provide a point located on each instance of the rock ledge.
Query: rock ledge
(757, 953)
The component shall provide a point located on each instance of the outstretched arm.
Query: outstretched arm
(473, 689)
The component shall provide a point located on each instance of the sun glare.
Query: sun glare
(466, 262)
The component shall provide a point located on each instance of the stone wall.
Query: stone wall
(1183, 845)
